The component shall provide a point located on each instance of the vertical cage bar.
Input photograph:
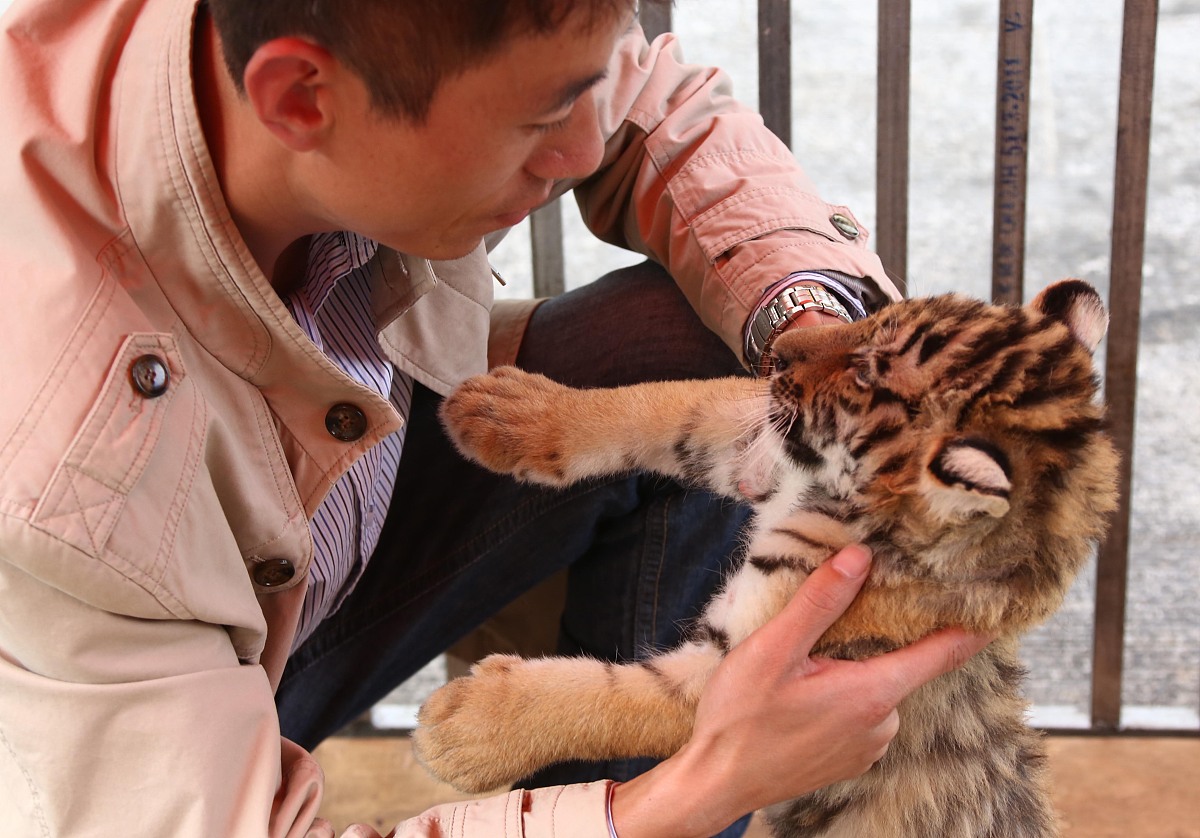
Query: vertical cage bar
(1125, 301)
(545, 224)
(775, 67)
(546, 234)
(891, 142)
(1014, 55)
(655, 17)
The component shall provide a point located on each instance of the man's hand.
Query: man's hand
(775, 723)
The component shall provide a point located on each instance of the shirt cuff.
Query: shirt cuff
(577, 811)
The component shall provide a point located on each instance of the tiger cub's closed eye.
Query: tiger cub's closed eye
(860, 365)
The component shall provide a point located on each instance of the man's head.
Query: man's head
(402, 50)
(424, 129)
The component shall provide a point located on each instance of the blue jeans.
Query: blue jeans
(644, 554)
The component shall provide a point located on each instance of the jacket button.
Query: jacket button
(845, 225)
(273, 572)
(346, 422)
(150, 376)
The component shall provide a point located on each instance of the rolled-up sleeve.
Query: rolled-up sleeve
(693, 180)
(576, 811)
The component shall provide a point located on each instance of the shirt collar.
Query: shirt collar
(330, 257)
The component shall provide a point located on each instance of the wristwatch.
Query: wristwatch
(775, 315)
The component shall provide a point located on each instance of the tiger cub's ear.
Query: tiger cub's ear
(1077, 305)
(968, 477)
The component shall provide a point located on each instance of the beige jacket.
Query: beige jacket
(154, 534)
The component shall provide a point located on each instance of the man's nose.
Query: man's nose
(573, 150)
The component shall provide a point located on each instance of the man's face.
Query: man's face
(494, 140)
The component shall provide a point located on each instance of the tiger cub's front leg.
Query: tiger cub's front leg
(512, 716)
(526, 425)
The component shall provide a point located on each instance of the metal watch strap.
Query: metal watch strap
(773, 317)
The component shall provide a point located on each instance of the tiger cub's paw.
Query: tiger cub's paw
(470, 732)
(511, 421)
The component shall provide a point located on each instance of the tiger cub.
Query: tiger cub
(961, 441)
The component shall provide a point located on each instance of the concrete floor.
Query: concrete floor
(1119, 787)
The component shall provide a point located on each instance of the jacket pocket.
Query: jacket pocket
(145, 391)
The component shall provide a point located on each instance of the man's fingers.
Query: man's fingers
(931, 656)
(824, 596)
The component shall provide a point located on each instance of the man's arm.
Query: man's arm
(694, 180)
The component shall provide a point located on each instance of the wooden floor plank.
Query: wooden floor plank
(1105, 787)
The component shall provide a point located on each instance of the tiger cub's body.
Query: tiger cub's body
(961, 441)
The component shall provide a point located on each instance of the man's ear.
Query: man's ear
(287, 83)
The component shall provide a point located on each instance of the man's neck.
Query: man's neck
(247, 163)
(291, 268)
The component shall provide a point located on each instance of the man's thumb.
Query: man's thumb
(825, 595)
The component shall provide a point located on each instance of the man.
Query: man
(225, 342)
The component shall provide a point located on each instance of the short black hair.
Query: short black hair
(402, 49)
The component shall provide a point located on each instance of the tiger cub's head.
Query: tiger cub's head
(963, 441)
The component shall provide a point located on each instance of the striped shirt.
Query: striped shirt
(333, 308)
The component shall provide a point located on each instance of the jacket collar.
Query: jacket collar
(182, 227)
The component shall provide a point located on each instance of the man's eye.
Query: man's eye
(549, 127)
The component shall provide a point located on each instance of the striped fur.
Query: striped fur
(962, 441)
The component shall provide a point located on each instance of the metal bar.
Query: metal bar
(546, 235)
(891, 142)
(549, 270)
(775, 67)
(1012, 150)
(1125, 301)
(655, 16)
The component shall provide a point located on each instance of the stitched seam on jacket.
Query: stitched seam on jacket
(727, 243)
(791, 245)
(33, 789)
(643, 119)
(158, 407)
(125, 569)
(286, 490)
(41, 400)
(791, 192)
(508, 799)
(269, 438)
(713, 158)
(188, 197)
(78, 510)
(554, 812)
(183, 489)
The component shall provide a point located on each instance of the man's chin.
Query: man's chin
(441, 251)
